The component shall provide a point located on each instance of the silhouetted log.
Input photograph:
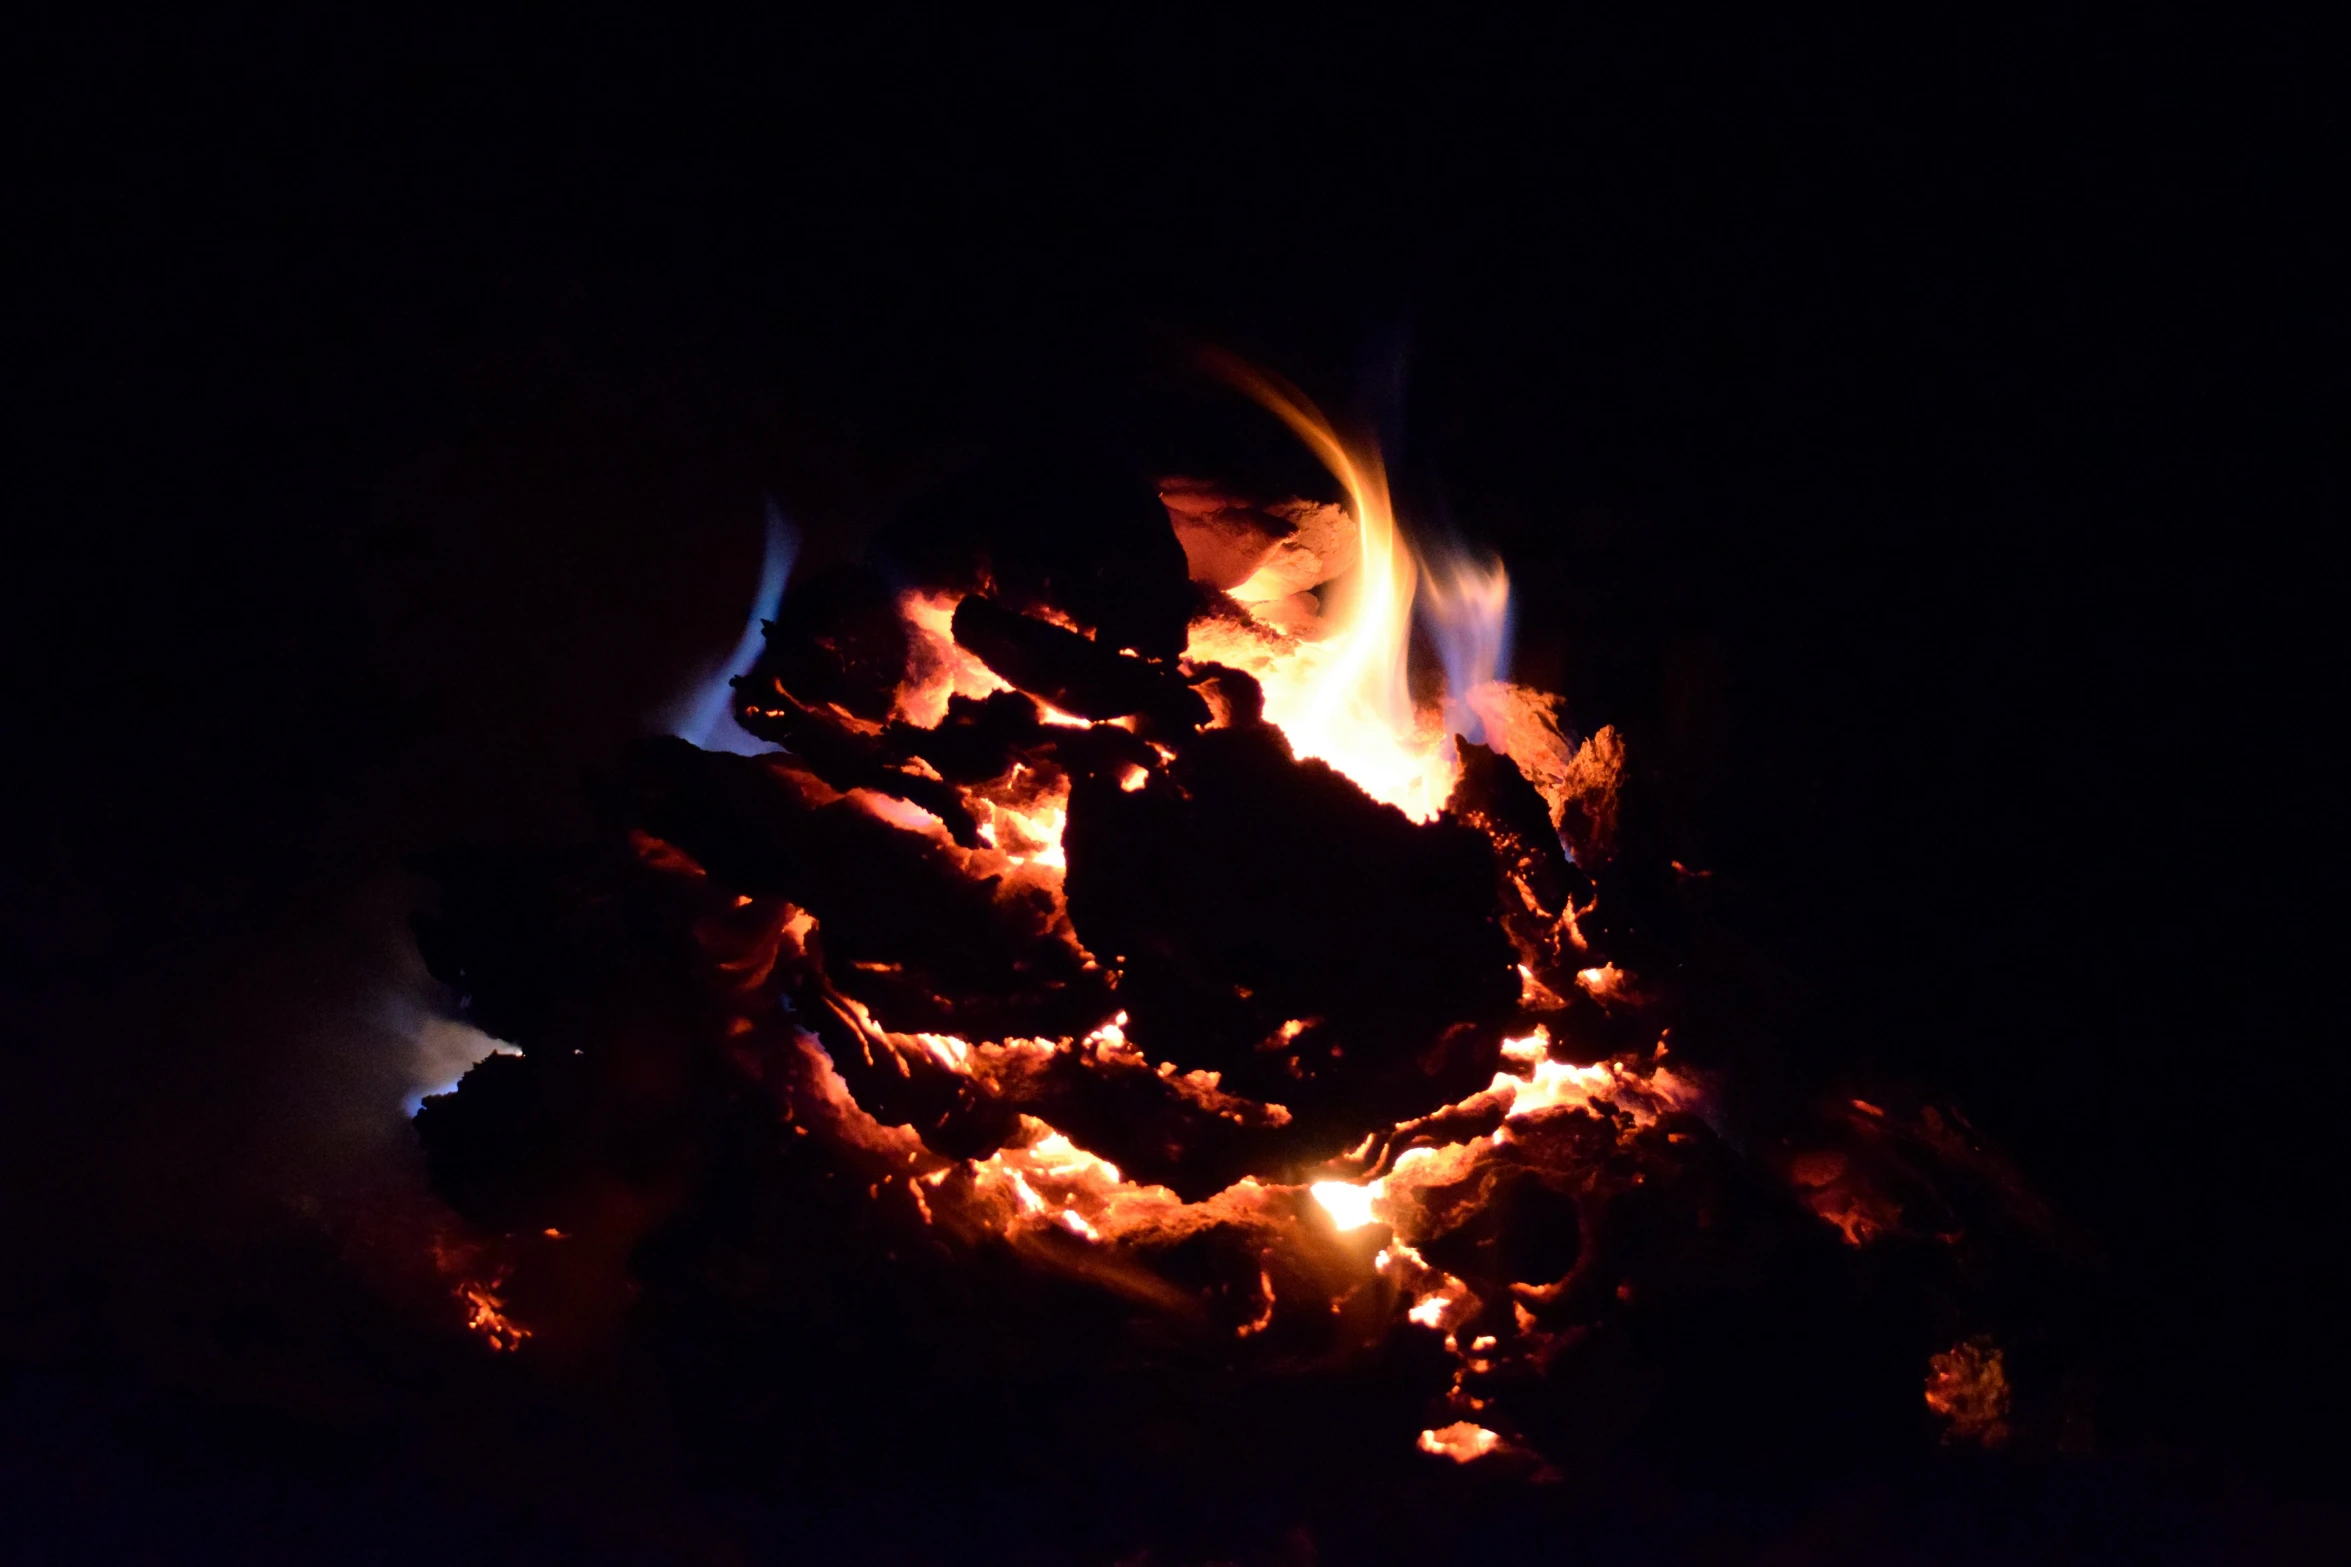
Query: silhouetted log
(900, 1084)
(1509, 1224)
(1539, 882)
(1074, 674)
(900, 916)
(1234, 697)
(847, 759)
(1276, 924)
(1494, 797)
(1055, 529)
(1101, 751)
(585, 960)
(978, 740)
(838, 637)
(1158, 1130)
(514, 929)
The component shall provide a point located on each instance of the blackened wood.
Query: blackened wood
(838, 637)
(1073, 673)
(953, 953)
(847, 759)
(1251, 890)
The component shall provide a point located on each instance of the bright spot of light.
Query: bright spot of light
(1348, 1205)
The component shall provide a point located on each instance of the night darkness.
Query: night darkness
(1922, 443)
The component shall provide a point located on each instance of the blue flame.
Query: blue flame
(706, 715)
(1465, 606)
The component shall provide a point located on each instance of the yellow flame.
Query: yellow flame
(1344, 698)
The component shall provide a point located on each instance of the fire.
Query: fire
(925, 921)
(1460, 1441)
(938, 668)
(1348, 1205)
(1333, 681)
(1342, 697)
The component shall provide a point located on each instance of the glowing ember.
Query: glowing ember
(1968, 1386)
(1349, 1206)
(1605, 983)
(1460, 1441)
(485, 1313)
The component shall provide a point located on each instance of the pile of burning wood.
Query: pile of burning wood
(1137, 1017)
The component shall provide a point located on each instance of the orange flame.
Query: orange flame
(1344, 698)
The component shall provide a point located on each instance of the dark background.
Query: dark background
(1921, 441)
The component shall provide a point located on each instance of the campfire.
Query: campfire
(1169, 1001)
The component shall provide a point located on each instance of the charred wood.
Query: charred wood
(1071, 672)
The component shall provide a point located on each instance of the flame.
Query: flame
(1337, 686)
(1344, 697)
(1466, 606)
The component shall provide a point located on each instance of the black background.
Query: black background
(1922, 441)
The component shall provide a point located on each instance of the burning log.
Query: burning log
(1249, 1020)
(901, 916)
(1340, 999)
(838, 639)
(979, 739)
(1055, 532)
(1074, 674)
(847, 760)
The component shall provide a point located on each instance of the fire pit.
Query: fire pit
(1145, 1035)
